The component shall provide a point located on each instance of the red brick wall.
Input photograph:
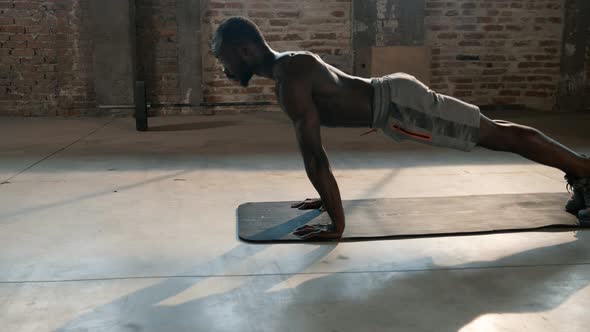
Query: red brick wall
(45, 58)
(46, 53)
(518, 43)
(322, 27)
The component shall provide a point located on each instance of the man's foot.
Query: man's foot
(580, 200)
(576, 201)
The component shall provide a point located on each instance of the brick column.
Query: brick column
(113, 32)
(188, 18)
(572, 92)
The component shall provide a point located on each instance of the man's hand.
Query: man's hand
(318, 232)
(309, 204)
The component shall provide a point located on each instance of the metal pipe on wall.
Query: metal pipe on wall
(157, 105)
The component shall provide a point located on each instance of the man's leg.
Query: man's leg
(530, 143)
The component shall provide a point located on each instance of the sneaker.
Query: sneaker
(581, 188)
(576, 201)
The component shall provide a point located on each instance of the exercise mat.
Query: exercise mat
(397, 218)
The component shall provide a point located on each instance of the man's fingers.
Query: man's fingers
(318, 234)
(302, 234)
(307, 204)
(308, 233)
(302, 231)
(313, 226)
(324, 235)
(307, 229)
(313, 231)
(304, 228)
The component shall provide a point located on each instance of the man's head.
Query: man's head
(238, 44)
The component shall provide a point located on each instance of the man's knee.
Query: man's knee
(491, 133)
(509, 134)
(519, 132)
(503, 135)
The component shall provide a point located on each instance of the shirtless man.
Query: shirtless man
(313, 94)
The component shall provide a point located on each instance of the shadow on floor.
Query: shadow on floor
(7, 214)
(442, 298)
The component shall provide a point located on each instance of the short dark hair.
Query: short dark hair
(236, 31)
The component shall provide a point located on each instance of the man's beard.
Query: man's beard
(245, 79)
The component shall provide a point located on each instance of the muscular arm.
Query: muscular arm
(296, 97)
(317, 167)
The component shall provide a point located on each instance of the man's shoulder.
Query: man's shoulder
(297, 66)
(303, 59)
(294, 83)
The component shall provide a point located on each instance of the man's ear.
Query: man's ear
(244, 51)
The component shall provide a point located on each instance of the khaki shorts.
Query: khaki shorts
(406, 109)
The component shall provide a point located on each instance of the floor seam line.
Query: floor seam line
(246, 275)
(56, 152)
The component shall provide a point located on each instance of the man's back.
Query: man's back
(341, 100)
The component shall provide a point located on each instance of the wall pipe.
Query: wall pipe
(157, 105)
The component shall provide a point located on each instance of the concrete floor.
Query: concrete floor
(108, 229)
